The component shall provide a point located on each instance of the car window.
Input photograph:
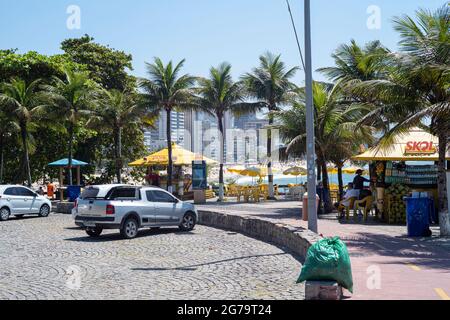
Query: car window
(10, 192)
(160, 196)
(25, 192)
(90, 193)
(121, 193)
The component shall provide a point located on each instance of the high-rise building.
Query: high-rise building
(156, 139)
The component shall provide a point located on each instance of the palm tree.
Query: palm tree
(69, 99)
(270, 85)
(335, 128)
(20, 100)
(167, 91)
(8, 128)
(417, 88)
(218, 95)
(116, 110)
(354, 63)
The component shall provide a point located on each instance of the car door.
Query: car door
(30, 202)
(149, 209)
(165, 208)
(14, 200)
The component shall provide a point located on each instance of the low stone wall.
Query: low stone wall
(297, 240)
(63, 207)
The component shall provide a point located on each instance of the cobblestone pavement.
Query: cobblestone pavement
(41, 258)
(386, 263)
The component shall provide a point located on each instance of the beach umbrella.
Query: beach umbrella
(236, 169)
(352, 170)
(180, 157)
(296, 171)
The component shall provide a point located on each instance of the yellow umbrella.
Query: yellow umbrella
(295, 171)
(236, 169)
(333, 170)
(180, 157)
(352, 170)
(254, 172)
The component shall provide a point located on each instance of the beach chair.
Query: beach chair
(366, 205)
(348, 208)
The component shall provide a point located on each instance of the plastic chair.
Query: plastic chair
(366, 205)
(348, 208)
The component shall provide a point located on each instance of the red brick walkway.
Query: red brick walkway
(408, 268)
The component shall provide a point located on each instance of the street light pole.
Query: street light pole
(310, 139)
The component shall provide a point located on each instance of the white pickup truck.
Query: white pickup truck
(129, 208)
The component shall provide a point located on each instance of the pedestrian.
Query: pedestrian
(50, 190)
(41, 191)
(358, 181)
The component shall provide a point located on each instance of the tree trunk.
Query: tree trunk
(222, 146)
(444, 221)
(319, 171)
(328, 205)
(118, 147)
(70, 158)
(169, 148)
(341, 183)
(269, 157)
(26, 158)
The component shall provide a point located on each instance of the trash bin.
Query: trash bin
(73, 192)
(418, 211)
(305, 205)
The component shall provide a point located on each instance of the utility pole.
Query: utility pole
(310, 139)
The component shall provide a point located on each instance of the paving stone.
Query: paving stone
(43, 257)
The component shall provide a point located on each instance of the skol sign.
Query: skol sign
(420, 147)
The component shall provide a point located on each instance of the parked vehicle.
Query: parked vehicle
(20, 201)
(130, 208)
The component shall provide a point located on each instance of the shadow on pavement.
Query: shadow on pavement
(117, 237)
(194, 267)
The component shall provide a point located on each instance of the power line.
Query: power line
(296, 35)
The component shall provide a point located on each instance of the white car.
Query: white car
(130, 208)
(19, 201)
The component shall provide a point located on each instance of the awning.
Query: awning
(180, 157)
(416, 145)
(65, 163)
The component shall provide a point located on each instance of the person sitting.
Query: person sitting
(350, 196)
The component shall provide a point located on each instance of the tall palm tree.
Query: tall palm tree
(218, 95)
(270, 85)
(19, 101)
(418, 87)
(116, 110)
(167, 91)
(335, 128)
(69, 99)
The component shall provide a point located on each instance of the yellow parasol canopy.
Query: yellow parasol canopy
(236, 169)
(180, 157)
(295, 171)
(254, 172)
(352, 170)
(416, 145)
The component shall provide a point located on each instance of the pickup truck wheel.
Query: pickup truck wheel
(94, 232)
(188, 222)
(4, 214)
(44, 211)
(129, 229)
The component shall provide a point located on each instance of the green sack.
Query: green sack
(328, 260)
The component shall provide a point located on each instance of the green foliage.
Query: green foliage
(106, 66)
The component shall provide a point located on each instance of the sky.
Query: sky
(204, 32)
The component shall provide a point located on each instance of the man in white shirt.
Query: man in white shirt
(346, 200)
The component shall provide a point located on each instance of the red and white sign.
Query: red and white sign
(420, 147)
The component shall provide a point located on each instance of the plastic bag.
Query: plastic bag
(328, 260)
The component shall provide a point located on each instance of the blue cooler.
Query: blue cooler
(418, 213)
(73, 193)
